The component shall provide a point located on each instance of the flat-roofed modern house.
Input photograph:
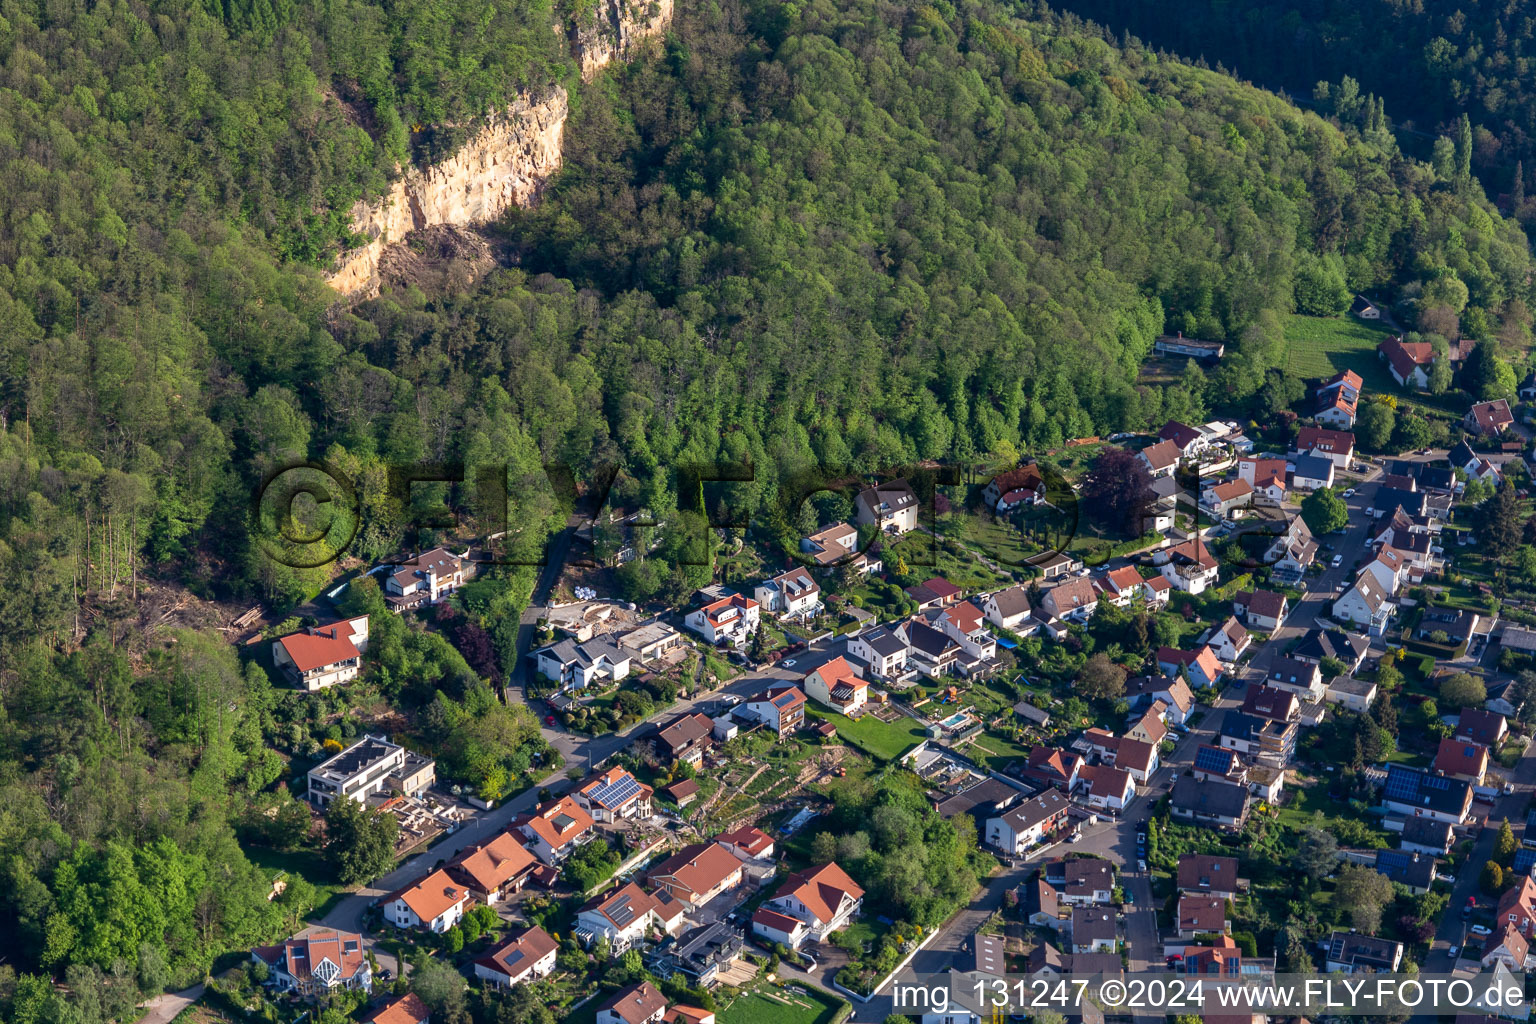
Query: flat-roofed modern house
(369, 767)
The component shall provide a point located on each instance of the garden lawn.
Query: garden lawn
(887, 740)
(998, 752)
(756, 1007)
(1319, 347)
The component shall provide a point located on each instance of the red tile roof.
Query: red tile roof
(821, 890)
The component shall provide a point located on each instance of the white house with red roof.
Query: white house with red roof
(1337, 400)
(489, 871)
(697, 873)
(554, 829)
(1123, 586)
(1224, 497)
(748, 843)
(781, 708)
(728, 620)
(424, 579)
(962, 624)
(1461, 759)
(1230, 640)
(1188, 439)
(825, 899)
(1161, 459)
(1105, 787)
(1337, 446)
(1200, 667)
(1189, 566)
(435, 903)
(1266, 476)
(1408, 362)
(835, 684)
(1016, 488)
(322, 656)
(317, 961)
(640, 1003)
(625, 917)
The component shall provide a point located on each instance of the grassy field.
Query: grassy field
(764, 1005)
(888, 740)
(997, 751)
(1323, 346)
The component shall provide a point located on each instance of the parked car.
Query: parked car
(1454, 951)
(1481, 930)
(1350, 493)
(1338, 560)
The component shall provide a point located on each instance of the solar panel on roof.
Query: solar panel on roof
(1393, 858)
(1525, 860)
(615, 793)
(1402, 784)
(1212, 759)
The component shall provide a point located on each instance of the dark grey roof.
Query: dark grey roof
(1315, 467)
(1421, 790)
(1389, 498)
(989, 796)
(883, 642)
(1024, 709)
(1240, 726)
(925, 638)
(1461, 454)
(1427, 832)
(1362, 950)
(1209, 797)
(1318, 644)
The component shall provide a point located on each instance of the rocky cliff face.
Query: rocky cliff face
(616, 27)
(503, 165)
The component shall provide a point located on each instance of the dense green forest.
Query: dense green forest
(853, 234)
(1430, 62)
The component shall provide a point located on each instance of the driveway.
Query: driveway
(164, 1008)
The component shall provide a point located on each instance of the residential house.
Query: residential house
(825, 899)
(1267, 477)
(1094, 930)
(490, 871)
(1209, 803)
(1208, 875)
(1081, 881)
(615, 795)
(1263, 610)
(639, 1003)
(1014, 489)
(1426, 835)
(1222, 958)
(962, 624)
(424, 580)
(1414, 870)
(650, 642)
(1293, 549)
(1337, 446)
(1047, 766)
(1106, 788)
(1489, 419)
(937, 592)
(1355, 952)
(1150, 727)
(1462, 457)
(435, 903)
(1198, 915)
(1317, 645)
(1200, 667)
(838, 545)
(1348, 692)
(1190, 440)
(1169, 690)
(322, 656)
(1517, 906)
(1477, 726)
(1220, 764)
(1042, 903)
(576, 665)
(1506, 946)
(1302, 678)
(1365, 604)
(685, 738)
(554, 829)
(1414, 793)
(889, 507)
(1272, 703)
(1008, 609)
(779, 928)
(528, 957)
(780, 708)
(1123, 586)
(699, 955)
(1161, 458)
(1053, 564)
(1269, 740)
(1189, 566)
(1028, 823)
(369, 767)
(1219, 499)
(1408, 362)
(317, 961)
(626, 915)
(1389, 567)
(1311, 473)
(1073, 599)
(1230, 640)
(791, 595)
(697, 873)
(1389, 500)
(728, 620)
(834, 684)
(1337, 400)
(1461, 759)
(883, 651)
(747, 843)
(932, 651)
(1135, 756)
(407, 1009)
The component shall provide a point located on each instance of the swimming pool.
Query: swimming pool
(955, 721)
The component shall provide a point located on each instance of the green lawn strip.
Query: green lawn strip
(1324, 346)
(886, 740)
(770, 1005)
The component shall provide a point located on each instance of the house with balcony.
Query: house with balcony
(528, 957)
(685, 738)
(728, 620)
(889, 507)
(626, 916)
(370, 767)
(424, 579)
(615, 795)
(780, 708)
(555, 828)
(962, 623)
(883, 651)
(434, 903)
(577, 665)
(322, 656)
(838, 545)
(824, 899)
(1189, 566)
(1028, 823)
(317, 962)
(834, 684)
(493, 870)
(791, 595)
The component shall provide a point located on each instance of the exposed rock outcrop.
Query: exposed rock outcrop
(505, 164)
(613, 29)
